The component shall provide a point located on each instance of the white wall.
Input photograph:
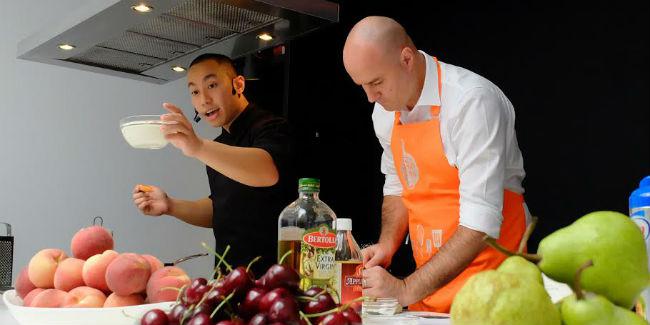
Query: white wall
(63, 159)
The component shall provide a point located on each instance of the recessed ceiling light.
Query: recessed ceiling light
(143, 8)
(66, 47)
(265, 37)
(178, 69)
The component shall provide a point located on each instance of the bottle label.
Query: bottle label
(641, 220)
(348, 282)
(318, 248)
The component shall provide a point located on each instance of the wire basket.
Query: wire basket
(6, 257)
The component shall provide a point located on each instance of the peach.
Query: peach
(91, 241)
(49, 298)
(68, 274)
(23, 285)
(94, 270)
(84, 297)
(155, 263)
(163, 279)
(122, 301)
(27, 301)
(128, 274)
(43, 265)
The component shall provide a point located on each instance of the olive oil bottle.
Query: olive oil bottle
(307, 228)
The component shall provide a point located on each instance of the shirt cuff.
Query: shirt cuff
(481, 218)
(392, 185)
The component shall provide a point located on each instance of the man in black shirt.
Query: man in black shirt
(248, 165)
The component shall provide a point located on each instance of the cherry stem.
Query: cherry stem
(303, 316)
(336, 309)
(209, 249)
(493, 242)
(307, 298)
(221, 304)
(331, 290)
(186, 314)
(346, 306)
(577, 289)
(526, 236)
(284, 256)
(331, 311)
(225, 251)
(252, 262)
(180, 291)
(205, 295)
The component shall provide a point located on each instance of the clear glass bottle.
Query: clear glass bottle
(349, 263)
(307, 228)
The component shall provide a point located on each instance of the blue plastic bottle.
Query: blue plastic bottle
(640, 213)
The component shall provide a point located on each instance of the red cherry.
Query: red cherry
(281, 276)
(313, 291)
(214, 297)
(323, 303)
(269, 298)
(176, 314)
(197, 282)
(284, 310)
(249, 306)
(238, 280)
(352, 316)
(200, 319)
(154, 317)
(205, 308)
(258, 319)
(334, 319)
(194, 295)
(235, 321)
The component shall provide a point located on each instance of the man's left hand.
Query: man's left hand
(179, 131)
(378, 283)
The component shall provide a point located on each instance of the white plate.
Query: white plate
(77, 316)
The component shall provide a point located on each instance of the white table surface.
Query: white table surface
(7, 319)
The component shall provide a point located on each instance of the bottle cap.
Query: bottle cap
(309, 185)
(343, 224)
(641, 196)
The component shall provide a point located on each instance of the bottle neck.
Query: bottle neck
(308, 195)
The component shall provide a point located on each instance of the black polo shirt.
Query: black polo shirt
(245, 217)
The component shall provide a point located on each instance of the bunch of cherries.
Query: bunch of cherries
(237, 298)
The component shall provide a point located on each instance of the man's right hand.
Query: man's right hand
(376, 255)
(151, 200)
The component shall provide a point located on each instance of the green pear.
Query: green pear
(615, 245)
(597, 310)
(578, 309)
(495, 298)
(521, 267)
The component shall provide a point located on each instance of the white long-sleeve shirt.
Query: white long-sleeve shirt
(477, 126)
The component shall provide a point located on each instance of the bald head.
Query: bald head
(382, 33)
(381, 57)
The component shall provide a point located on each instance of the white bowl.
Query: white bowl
(143, 131)
(77, 316)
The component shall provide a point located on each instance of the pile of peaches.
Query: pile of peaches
(96, 276)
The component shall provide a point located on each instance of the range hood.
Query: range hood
(112, 37)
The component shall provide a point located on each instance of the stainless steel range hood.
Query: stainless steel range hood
(110, 37)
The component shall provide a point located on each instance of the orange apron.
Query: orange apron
(431, 195)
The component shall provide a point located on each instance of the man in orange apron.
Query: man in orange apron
(452, 164)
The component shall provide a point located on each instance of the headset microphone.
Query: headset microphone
(196, 116)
